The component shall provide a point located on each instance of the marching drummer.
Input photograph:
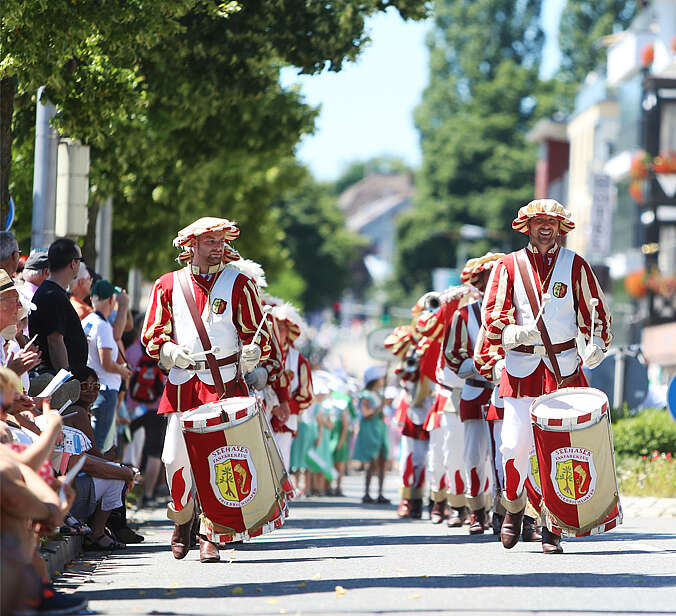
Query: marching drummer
(540, 342)
(205, 306)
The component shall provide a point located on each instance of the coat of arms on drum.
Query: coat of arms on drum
(232, 475)
(573, 474)
(559, 290)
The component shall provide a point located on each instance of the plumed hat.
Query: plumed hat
(473, 267)
(289, 314)
(400, 340)
(543, 207)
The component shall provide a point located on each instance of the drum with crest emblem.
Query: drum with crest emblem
(242, 486)
(576, 461)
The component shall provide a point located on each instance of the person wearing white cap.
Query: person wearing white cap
(203, 306)
(539, 343)
(476, 391)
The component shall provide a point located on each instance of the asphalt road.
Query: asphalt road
(336, 556)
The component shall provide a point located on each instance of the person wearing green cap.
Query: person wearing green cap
(102, 358)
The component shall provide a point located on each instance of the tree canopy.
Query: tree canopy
(481, 99)
(182, 108)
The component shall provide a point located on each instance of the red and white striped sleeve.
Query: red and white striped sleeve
(497, 310)
(275, 363)
(157, 326)
(486, 354)
(586, 287)
(458, 347)
(302, 397)
(247, 314)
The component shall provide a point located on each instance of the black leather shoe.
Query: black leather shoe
(511, 529)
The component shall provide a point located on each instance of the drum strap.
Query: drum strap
(184, 280)
(522, 263)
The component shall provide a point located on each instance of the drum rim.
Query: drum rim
(568, 424)
(201, 425)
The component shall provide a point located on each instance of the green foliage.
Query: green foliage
(583, 24)
(653, 475)
(481, 100)
(181, 104)
(651, 430)
(316, 238)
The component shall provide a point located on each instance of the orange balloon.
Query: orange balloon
(635, 285)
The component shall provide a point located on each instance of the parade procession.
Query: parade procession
(355, 307)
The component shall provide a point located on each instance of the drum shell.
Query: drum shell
(244, 514)
(577, 478)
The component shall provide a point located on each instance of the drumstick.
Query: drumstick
(546, 297)
(266, 310)
(197, 354)
(593, 302)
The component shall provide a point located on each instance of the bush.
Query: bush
(641, 435)
(653, 475)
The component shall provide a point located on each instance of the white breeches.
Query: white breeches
(284, 441)
(476, 461)
(495, 429)
(517, 443)
(454, 454)
(413, 456)
(179, 472)
(436, 467)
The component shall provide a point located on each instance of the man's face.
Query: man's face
(9, 308)
(283, 332)
(75, 263)
(209, 248)
(85, 284)
(544, 229)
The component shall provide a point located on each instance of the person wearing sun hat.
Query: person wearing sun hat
(542, 272)
(476, 390)
(227, 303)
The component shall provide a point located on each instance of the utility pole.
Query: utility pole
(44, 175)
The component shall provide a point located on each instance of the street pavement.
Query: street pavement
(337, 556)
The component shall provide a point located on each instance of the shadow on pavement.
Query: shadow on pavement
(551, 580)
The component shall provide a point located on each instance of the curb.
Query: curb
(59, 551)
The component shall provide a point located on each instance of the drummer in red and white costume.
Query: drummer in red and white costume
(289, 324)
(476, 392)
(445, 458)
(508, 315)
(230, 308)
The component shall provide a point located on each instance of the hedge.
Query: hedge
(649, 431)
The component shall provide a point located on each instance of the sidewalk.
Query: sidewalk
(648, 507)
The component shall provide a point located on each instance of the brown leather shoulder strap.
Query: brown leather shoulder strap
(184, 281)
(522, 263)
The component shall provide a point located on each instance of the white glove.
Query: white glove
(593, 354)
(175, 355)
(466, 369)
(497, 370)
(516, 335)
(251, 355)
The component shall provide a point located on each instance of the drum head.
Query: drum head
(571, 408)
(227, 412)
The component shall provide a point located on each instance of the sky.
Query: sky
(367, 108)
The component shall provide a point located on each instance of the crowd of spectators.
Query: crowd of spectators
(64, 327)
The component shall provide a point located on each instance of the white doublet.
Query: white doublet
(559, 318)
(292, 364)
(218, 324)
(469, 392)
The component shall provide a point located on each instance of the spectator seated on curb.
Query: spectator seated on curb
(54, 321)
(103, 483)
(30, 507)
(79, 292)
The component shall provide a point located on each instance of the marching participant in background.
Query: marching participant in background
(476, 392)
(540, 347)
(297, 367)
(414, 439)
(445, 468)
(202, 306)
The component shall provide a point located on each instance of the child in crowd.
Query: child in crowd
(372, 446)
(343, 412)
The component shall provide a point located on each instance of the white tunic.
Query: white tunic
(218, 323)
(559, 317)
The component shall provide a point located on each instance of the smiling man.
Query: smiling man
(540, 357)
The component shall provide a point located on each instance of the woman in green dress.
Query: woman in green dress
(340, 435)
(372, 446)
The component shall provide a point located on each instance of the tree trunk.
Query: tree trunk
(7, 90)
(89, 247)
